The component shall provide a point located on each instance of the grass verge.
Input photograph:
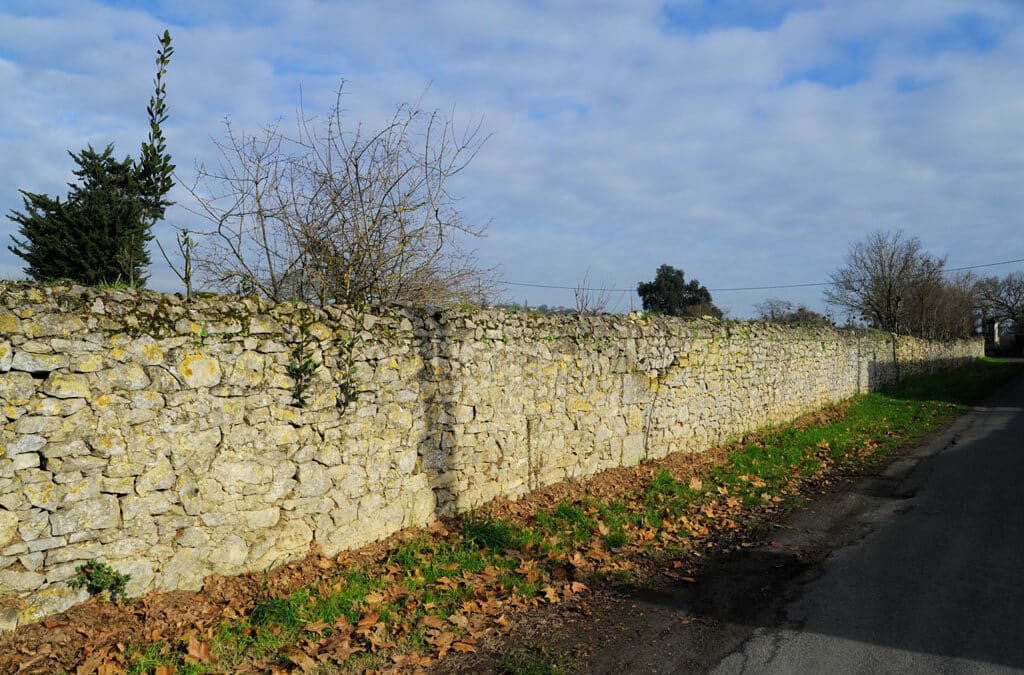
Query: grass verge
(444, 590)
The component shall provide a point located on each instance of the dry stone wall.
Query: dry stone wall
(166, 438)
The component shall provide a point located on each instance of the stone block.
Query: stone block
(260, 519)
(8, 528)
(37, 363)
(160, 476)
(228, 555)
(185, 571)
(26, 460)
(313, 480)
(199, 370)
(101, 513)
(43, 495)
(66, 385)
(46, 544)
(20, 582)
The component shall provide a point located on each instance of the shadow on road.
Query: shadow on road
(921, 566)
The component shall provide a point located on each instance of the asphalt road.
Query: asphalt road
(917, 570)
(934, 579)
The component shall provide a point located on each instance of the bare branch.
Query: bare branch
(333, 214)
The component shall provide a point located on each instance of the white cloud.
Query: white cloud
(619, 143)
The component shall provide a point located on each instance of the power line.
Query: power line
(739, 288)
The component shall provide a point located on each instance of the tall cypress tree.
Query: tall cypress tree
(98, 234)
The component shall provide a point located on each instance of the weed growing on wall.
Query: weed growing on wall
(348, 388)
(98, 577)
(302, 366)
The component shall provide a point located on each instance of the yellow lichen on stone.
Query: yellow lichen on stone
(87, 364)
(152, 352)
(8, 322)
(199, 370)
(579, 405)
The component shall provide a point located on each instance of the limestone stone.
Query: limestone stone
(35, 424)
(86, 363)
(56, 407)
(20, 582)
(185, 571)
(66, 385)
(37, 363)
(46, 544)
(260, 519)
(92, 514)
(129, 377)
(121, 485)
(193, 449)
(73, 552)
(17, 388)
(43, 495)
(6, 356)
(86, 487)
(313, 480)
(193, 537)
(8, 527)
(295, 537)
(26, 460)
(140, 576)
(152, 504)
(147, 351)
(228, 555)
(199, 370)
(50, 600)
(160, 476)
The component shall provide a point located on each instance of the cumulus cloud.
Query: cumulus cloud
(746, 146)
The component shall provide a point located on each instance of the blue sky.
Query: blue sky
(747, 143)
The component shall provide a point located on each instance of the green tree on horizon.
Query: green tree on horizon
(672, 295)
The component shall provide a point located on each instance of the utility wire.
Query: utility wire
(740, 288)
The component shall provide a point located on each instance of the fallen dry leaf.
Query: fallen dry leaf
(433, 622)
(199, 651)
(304, 661)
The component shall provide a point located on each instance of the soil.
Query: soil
(605, 618)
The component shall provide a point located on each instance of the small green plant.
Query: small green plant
(303, 366)
(202, 335)
(98, 577)
(348, 389)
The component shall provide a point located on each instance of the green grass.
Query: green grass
(537, 660)
(431, 568)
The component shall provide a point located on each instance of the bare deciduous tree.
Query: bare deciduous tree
(1003, 299)
(892, 284)
(337, 214)
(589, 300)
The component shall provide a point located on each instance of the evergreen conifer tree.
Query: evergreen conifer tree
(98, 234)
